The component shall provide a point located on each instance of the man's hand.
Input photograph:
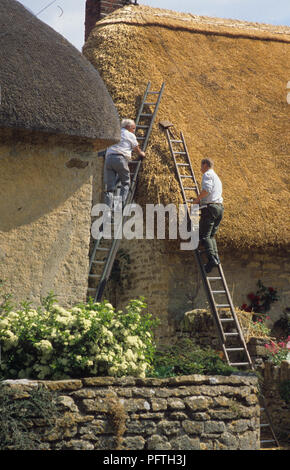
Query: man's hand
(195, 201)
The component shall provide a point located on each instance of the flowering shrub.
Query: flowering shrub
(259, 329)
(52, 342)
(262, 300)
(279, 352)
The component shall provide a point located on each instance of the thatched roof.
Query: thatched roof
(226, 90)
(47, 85)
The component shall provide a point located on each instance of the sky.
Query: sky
(67, 16)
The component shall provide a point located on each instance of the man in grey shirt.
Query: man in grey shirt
(211, 205)
(116, 162)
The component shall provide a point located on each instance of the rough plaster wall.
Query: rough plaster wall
(45, 221)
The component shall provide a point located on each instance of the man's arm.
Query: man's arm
(203, 194)
(139, 151)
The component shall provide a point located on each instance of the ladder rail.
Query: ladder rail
(190, 164)
(142, 103)
(153, 118)
(211, 301)
(233, 313)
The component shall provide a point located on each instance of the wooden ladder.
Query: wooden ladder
(104, 251)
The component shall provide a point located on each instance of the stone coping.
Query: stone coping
(73, 384)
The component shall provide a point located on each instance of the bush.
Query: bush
(185, 358)
(278, 352)
(90, 339)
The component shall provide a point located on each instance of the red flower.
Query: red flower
(251, 296)
(270, 289)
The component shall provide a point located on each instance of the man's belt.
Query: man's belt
(203, 206)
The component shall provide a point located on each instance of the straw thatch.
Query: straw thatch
(226, 90)
(47, 85)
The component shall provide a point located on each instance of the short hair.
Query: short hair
(127, 123)
(207, 161)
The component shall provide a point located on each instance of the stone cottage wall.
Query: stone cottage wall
(172, 285)
(181, 413)
(46, 193)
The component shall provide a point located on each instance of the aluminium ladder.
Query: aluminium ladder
(104, 251)
(217, 292)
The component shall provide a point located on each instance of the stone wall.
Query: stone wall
(46, 194)
(181, 413)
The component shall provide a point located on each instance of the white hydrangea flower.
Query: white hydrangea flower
(108, 305)
(44, 346)
(4, 323)
(130, 356)
(10, 340)
(132, 341)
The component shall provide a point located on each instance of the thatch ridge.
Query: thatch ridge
(143, 15)
(227, 94)
(47, 85)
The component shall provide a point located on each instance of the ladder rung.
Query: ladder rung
(153, 92)
(214, 278)
(222, 305)
(188, 189)
(219, 292)
(226, 319)
(185, 176)
(267, 440)
(92, 289)
(264, 425)
(232, 334)
(182, 164)
(94, 276)
(239, 363)
(149, 104)
(235, 349)
(176, 141)
(141, 127)
(141, 138)
(179, 153)
(103, 249)
(146, 114)
(98, 262)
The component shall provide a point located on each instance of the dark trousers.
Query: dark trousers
(210, 219)
(116, 168)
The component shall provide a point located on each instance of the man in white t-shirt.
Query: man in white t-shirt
(116, 162)
(212, 209)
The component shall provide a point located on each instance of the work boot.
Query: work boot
(212, 262)
(217, 258)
